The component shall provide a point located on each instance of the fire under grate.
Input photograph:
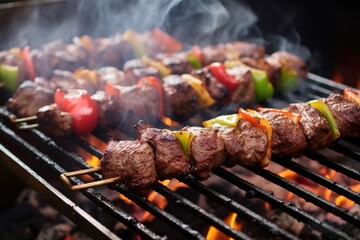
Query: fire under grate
(20, 149)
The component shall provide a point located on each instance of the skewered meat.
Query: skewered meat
(244, 143)
(314, 125)
(245, 90)
(170, 160)
(244, 138)
(180, 99)
(206, 151)
(109, 116)
(288, 140)
(346, 114)
(136, 69)
(28, 98)
(110, 75)
(132, 161)
(50, 114)
(178, 63)
(216, 89)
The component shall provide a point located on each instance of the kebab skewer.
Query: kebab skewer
(246, 138)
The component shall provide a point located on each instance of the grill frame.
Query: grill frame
(315, 85)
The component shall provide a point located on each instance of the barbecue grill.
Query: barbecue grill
(32, 154)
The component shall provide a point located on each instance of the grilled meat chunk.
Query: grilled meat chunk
(346, 115)
(180, 99)
(272, 68)
(136, 69)
(245, 90)
(70, 58)
(214, 53)
(65, 80)
(289, 62)
(288, 139)
(178, 63)
(109, 114)
(314, 125)
(51, 119)
(216, 89)
(28, 98)
(132, 161)
(244, 49)
(207, 151)
(110, 75)
(245, 143)
(108, 51)
(170, 160)
(138, 102)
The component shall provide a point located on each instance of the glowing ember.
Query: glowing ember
(169, 122)
(214, 234)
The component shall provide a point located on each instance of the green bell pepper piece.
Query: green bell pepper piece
(226, 120)
(288, 80)
(263, 87)
(8, 76)
(324, 109)
(194, 61)
(185, 139)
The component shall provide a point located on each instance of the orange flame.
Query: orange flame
(344, 202)
(215, 234)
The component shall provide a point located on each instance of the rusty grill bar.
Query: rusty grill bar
(315, 87)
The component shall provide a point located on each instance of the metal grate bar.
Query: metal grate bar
(286, 207)
(128, 220)
(198, 211)
(334, 186)
(307, 195)
(248, 214)
(324, 160)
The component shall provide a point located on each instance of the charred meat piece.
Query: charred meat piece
(136, 69)
(289, 62)
(245, 90)
(272, 68)
(110, 75)
(70, 58)
(346, 115)
(180, 99)
(51, 119)
(170, 160)
(214, 53)
(216, 89)
(41, 63)
(178, 63)
(244, 49)
(109, 114)
(288, 139)
(28, 98)
(207, 151)
(132, 161)
(314, 125)
(108, 52)
(137, 102)
(245, 144)
(65, 80)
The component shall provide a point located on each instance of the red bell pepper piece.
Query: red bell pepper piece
(153, 81)
(82, 108)
(167, 42)
(28, 62)
(219, 71)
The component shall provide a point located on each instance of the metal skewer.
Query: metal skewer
(65, 178)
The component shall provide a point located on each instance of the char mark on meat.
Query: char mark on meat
(132, 161)
(288, 139)
(245, 90)
(207, 151)
(170, 160)
(136, 69)
(314, 125)
(180, 99)
(245, 144)
(108, 107)
(51, 119)
(28, 98)
(346, 114)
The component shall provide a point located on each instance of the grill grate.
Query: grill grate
(33, 141)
